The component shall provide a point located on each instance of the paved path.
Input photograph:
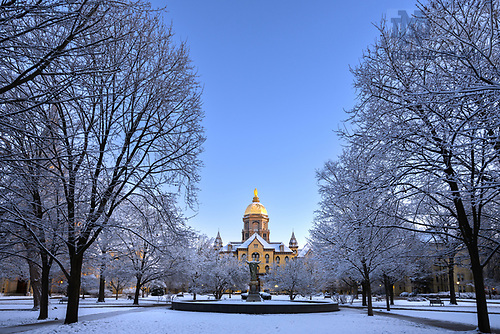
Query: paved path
(88, 317)
(454, 326)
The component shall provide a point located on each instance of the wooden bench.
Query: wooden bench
(63, 299)
(435, 301)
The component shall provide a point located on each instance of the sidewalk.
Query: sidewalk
(454, 326)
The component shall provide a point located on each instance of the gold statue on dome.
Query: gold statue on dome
(255, 196)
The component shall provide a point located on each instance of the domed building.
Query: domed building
(255, 242)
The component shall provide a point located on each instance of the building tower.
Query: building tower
(218, 242)
(293, 244)
(255, 220)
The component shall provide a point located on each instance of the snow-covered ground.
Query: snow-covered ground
(17, 310)
(163, 320)
(463, 313)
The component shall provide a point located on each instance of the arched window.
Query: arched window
(267, 258)
(267, 269)
(277, 259)
(286, 259)
(255, 256)
(243, 257)
(255, 226)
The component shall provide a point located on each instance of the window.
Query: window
(255, 256)
(255, 245)
(287, 259)
(277, 259)
(267, 258)
(264, 235)
(243, 257)
(267, 269)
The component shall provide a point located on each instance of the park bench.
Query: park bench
(435, 301)
(63, 299)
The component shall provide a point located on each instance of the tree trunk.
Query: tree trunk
(35, 282)
(74, 284)
(369, 297)
(102, 284)
(451, 280)
(366, 274)
(194, 295)
(470, 239)
(138, 286)
(363, 294)
(387, 292)
(391, 289)
(45, 284)
(483, 321)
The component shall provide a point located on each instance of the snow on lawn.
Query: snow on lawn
(162, 320)
(17, 311)
(20, 316)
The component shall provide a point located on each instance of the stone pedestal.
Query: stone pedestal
(253, 292)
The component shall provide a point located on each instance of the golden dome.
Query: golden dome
(255, 208)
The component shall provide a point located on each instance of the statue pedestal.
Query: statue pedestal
(253, 292)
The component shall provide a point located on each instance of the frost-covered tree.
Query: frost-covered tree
(119, 273)
(198, 255)
(151, 236)
(298, 276)
(428, 103)
(352, 233)
(30, 216)
(34, 34)
(132, 125)
(221, 272)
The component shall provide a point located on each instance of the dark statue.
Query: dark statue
(254, 268)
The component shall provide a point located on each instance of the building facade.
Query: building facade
(255, 244)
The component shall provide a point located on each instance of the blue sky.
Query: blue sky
(276, 84)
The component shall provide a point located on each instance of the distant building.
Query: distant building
(255, 242)
(436, 279)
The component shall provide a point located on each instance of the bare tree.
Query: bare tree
(150, 241)
(221, 273)
(34, 34)
(352, 232)
(133, 124)
(428, 104)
